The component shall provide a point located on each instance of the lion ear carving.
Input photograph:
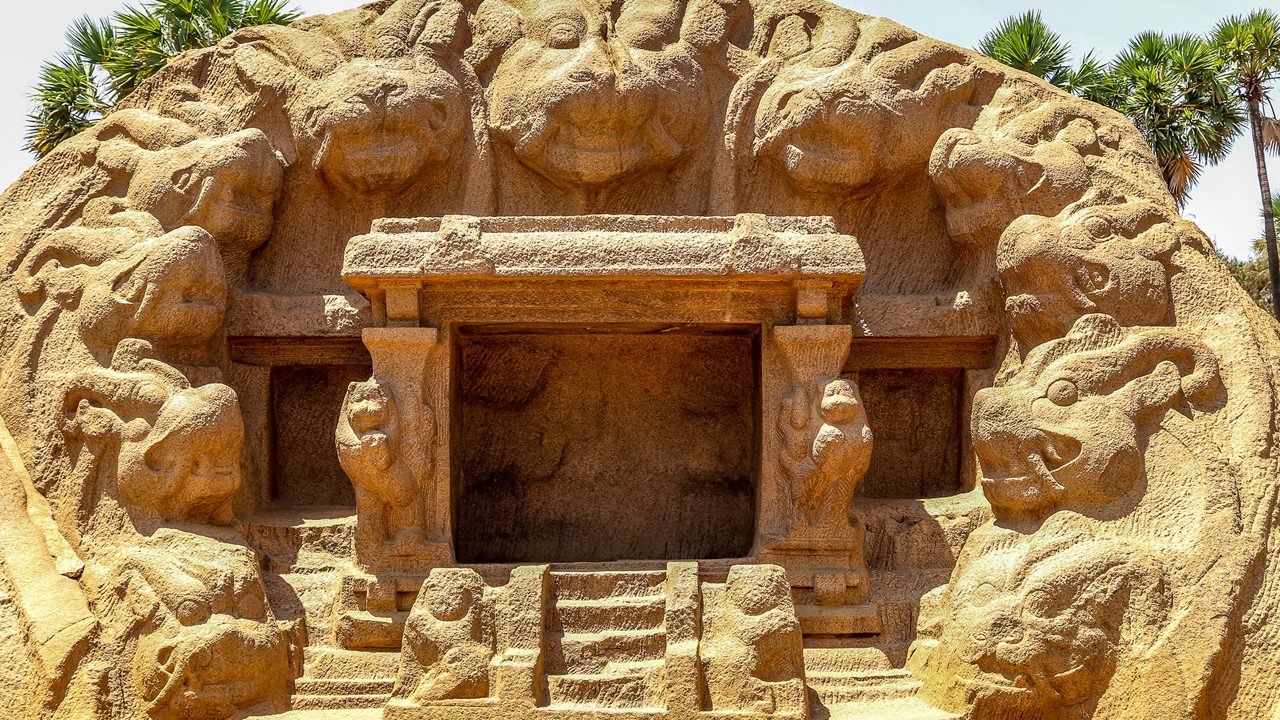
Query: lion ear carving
(707, 23)
(434, 26)
(496, 27)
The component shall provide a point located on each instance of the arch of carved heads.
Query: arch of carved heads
(624, 358)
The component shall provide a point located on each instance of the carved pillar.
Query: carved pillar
(412, 364)
(817, 447)
(519, 670)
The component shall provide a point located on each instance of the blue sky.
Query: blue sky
(1225, 203)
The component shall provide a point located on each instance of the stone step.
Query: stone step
(338, 702)
(614, 613)
(318, 714)
(846, 659)
(577, 653)
(833, 688)
(900, 709)
(619, 685)
(341, 686)
(600, 585)
(340, 664)
(840, 619)
(302, 541)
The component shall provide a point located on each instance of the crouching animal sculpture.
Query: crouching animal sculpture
(1064, 604)
(448, 639)
(179, 593)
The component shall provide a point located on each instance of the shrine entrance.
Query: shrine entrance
(608, 442)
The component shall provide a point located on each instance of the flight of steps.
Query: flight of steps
(863, 682)
(606, 639)
(337, 679)
(845, 675)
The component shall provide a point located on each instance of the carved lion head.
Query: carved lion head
(118, 282)
(226, 185)
(1068, 430)
(853, 100)
(590, 92)
(176, 448)
(1033, 165)
(1041, 635)
(208, 644)
(1109, 259)
(394, 114)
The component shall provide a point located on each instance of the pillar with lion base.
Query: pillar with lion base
(817, 447)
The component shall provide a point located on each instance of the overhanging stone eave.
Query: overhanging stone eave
(741, 249)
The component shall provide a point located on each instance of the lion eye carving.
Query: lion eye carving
(564, 35)
(1098, 228)
(1063, 392)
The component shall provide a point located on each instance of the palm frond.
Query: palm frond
(67, 100)
(1181, 174)
(1270, 134)
(268, 12)
(91, 40)
(1026, 43)
(107, 59)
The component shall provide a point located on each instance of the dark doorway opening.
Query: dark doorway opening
(600, 444)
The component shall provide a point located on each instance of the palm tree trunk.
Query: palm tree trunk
(1268, 215)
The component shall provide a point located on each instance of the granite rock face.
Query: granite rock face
(525, 359)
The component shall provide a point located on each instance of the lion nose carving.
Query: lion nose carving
(1004, 629)
(596, 66)
(379, 95)
(1000, 433)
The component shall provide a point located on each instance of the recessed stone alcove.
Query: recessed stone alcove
(916, 416)
(305, 402)
(606, 443)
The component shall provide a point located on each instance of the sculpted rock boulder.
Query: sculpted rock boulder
(1112, 259)
(582, 359)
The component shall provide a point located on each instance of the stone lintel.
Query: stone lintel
(745, 247)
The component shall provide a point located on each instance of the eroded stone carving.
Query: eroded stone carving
(825, 449)
(604, 99)
(92, 288)
(226, 185)
(181, 462)
(1035, 161)
(487, 651)
(387, 495)
(841, 87)
(826, 476)
(205, 641)
(449, 640)
(186, 601)
(1112, 259)
(1068, 431)
(375, 126)
(751, 647)
(1045, 630)
(1067, 604)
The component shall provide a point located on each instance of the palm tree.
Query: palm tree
(1026, 42)
(107, 59)
(70, 95)
(1175, 90)
(1249, 46)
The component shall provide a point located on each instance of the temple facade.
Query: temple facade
(625, 360)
